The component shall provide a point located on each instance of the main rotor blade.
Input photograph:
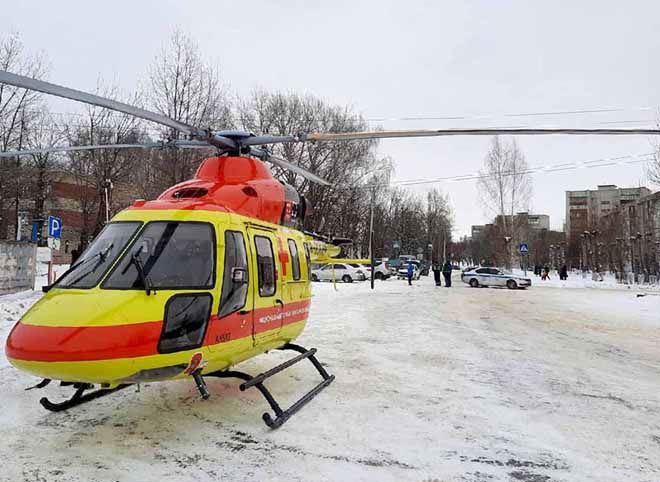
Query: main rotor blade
(349, 136)
(278, 161)
(262, 140)
(149, 145)
(92, 99)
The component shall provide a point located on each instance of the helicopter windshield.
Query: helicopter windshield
(173, 255)
(99, 256)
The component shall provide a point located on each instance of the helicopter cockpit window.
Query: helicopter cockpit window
(235, 274)
(99, 256)
(265, 266)
(171, 255)
(295, 260)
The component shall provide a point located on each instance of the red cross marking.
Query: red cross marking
(283, 255)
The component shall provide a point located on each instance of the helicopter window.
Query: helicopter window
(265, 266)
(186, 318)
(99, 256)
(308, 258)
(234, 291)
(295, 260)
(174, 255)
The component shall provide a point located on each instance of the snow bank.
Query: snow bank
(455, 384)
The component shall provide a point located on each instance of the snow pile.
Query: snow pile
(576, 279)
(446, 384)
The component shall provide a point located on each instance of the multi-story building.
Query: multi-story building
(538, 221)
(477, 231)
(640, 238)
(585, 208)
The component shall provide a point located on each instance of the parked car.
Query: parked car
(403, 271)
(343, 272)
(476, 277)
(381, 270)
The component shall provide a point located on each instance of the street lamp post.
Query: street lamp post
(107, 186)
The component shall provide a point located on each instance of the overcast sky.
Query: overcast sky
(399, 59)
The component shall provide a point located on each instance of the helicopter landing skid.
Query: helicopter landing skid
(249, 381)
(79, 397)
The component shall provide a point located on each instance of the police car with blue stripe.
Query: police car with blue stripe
(476, 277)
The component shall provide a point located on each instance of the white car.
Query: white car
(402, 273)
(343, 272)
(476, 277)
(381, 270)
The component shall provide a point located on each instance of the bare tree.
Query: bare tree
(93, 170)
(506, 186)
(185, 87)
(348, 166)
(438, 224)
(653, 169)
(17, 112)
(43, 168)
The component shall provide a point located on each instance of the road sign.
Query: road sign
(54, 243)
(524, 249)
(54, 227)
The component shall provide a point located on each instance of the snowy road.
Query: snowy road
(456, 384)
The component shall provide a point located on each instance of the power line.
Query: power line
(603, 162)
(602, 110)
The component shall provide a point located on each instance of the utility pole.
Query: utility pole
(371, 236)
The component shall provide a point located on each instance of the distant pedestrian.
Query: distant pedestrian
(436, 273)
(75, 254)
(546, 273)
(411, 270)
(563, 273)
(446, 272)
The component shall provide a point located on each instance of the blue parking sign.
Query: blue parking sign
(54, 227)
(524, 248)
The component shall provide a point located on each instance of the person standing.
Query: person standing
(563, 273)
(436, 273)
(411, 270)
(446, 272)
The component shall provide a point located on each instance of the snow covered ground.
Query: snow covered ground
(433, 384)
(577, 279)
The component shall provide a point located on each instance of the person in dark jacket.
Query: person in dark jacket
(446, 272)
(563, 273)
(411, 270)
(436, 273)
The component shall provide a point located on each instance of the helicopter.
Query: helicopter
(214, 271)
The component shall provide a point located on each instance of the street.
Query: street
(433, 384)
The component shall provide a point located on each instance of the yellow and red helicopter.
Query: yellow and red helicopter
(214, 271)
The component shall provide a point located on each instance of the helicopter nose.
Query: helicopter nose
(39, 343)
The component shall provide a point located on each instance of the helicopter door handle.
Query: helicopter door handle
(244, 312)
(279, 302)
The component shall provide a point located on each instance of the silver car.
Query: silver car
(476, 277)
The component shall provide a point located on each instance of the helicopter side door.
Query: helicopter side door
(266, 285)
(235, 317)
